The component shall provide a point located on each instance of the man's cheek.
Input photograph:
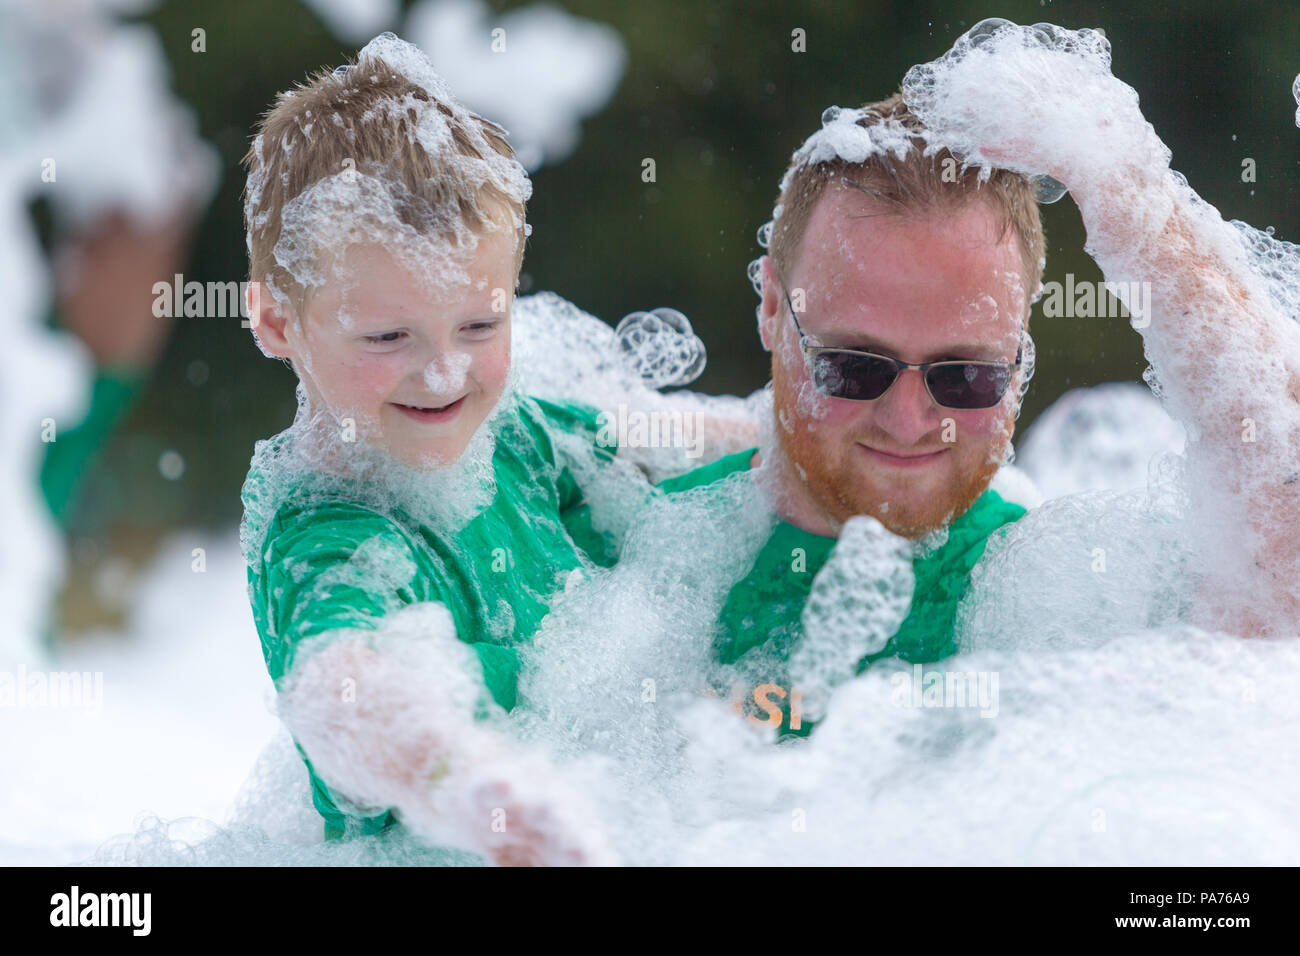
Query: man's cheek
(836, 417)
(983, 439)
(981, 425)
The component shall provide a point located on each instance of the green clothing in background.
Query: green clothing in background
(766, 606)
(329, 564)
(73, 453)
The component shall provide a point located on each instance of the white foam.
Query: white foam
(843, 137)
(538, 70)
(311, 462)
(561, 352)
(1222, 336)
(445, 375)
(1103, 438)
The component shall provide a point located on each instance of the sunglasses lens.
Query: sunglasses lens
(968, 385)
(859, 378)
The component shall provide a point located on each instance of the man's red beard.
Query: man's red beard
(842, 486)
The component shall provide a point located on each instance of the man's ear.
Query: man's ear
(269, 322)
(770, 305)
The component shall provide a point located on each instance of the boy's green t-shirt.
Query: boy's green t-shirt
(324, 565)
(766, 606)
(497, 574)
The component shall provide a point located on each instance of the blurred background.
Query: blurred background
(712, 91)
(126, 435)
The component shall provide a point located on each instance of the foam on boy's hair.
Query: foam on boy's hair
(377, 151)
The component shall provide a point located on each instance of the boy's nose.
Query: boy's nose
(445, 372)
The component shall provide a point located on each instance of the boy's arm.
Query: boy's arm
(381, 694)
(331, 577)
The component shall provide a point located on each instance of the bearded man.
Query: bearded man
(905, 252)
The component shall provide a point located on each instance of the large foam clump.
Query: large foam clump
(542, 73)
(843, 137)
(857, 602)
(1056, 82)
(1104, 438)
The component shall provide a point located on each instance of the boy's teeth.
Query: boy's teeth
(431, 408)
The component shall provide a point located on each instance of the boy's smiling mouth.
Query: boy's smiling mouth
(431, 415)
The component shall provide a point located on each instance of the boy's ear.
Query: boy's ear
(268, 321)
(770, 306)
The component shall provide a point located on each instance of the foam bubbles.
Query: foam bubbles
(661, 347)
(446, 375)
(416, 687)
(841, 137)
(1223, 333)
(1100, 438)
(857, 602)
(559, 69)
(325, 457)
(1058, 84)
(561, 352)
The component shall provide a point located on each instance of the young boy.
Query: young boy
(406, 533)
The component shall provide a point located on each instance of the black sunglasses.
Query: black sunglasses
(861, 376)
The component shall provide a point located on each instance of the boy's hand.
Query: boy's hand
(514, 810)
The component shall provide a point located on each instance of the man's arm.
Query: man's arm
(1227, 359)
(1227, 362)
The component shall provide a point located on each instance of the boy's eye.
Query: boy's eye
(383, 337)
(481, 328)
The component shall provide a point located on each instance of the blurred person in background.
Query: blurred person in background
(94, 143)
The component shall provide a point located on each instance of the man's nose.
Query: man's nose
(906, 411)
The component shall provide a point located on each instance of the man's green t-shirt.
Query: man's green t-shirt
(327, 564)
(764, 609)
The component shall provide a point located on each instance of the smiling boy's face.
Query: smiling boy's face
(418, 366)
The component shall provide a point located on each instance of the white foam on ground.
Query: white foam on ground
(185, 710)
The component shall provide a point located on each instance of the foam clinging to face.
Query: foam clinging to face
(380, 152)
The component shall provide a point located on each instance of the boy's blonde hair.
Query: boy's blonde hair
(365, 119)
